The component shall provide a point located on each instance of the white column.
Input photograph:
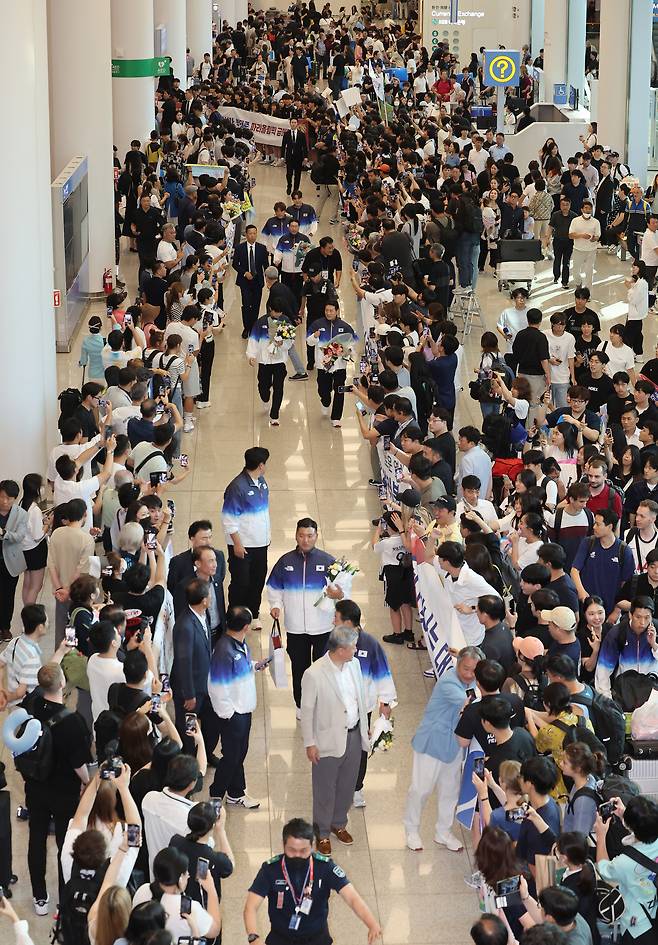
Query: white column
(613, 74)
(241, 11)
(576, 46)
(639, 84)
(556, 17)
(171, 15)
(536, 27)
(28, 422)
(80, 80)
(132, 99)
(228, 10)
(199, 28)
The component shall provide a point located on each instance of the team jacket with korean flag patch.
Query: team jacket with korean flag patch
(376, 672)
(231, 682)
(260, 342)
(296, 582)
(306, 217)
(246, 510)
(274, 229)
(289, 254)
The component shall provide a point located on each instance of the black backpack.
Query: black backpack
(632, 689)
(579, 733)
(79, 895)
(609, 724)
(106, 726)
(38, 763)
(532, 695)
(474, 223)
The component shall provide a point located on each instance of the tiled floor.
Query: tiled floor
(323, 472)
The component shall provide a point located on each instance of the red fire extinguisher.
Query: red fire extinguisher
(107, 281)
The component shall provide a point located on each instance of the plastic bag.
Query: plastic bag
(644, 721)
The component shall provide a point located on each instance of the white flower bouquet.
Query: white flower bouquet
(381, 736)
(334, 572)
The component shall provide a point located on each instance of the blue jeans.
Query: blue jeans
(468, 254)
(489, 409)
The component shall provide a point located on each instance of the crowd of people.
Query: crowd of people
(538, 523)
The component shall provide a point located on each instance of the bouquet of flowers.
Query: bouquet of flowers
(232, 208)
(355, 240)
(284, 331)
(381, 737)
(334, 572)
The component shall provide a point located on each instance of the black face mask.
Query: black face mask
(297, 862)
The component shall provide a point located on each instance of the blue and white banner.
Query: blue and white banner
(437, 615)
(467, 803)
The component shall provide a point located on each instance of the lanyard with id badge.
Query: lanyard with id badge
(303, 902)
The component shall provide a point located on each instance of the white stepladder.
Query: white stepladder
(465, 306)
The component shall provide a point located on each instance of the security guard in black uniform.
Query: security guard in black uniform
(297, 884)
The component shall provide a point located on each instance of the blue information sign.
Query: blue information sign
(502, 67)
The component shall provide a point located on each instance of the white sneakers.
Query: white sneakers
(298, 714)
(202, 404)
(450, 841)
(335, 423)
(358, 800)
(414, 842)
(188, 426)
(245, 801)
(41, 906)
(325, 411)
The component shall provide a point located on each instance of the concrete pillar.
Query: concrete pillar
(576, 46)
(241, 11)
(171, 15)
(199, 28)
(28, 423)
(80, 85)
(537, 27)
(639, 83)
(556, 17)
(228, 10)
(133, 108)
(613, 75)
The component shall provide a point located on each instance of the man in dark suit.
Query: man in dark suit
(209, 564)
(191, 666)
(294, 152)
(181, 566)
(250, 262)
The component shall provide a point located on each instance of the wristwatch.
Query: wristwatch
(252, 936)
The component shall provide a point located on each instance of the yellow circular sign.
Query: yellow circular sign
(502, 69)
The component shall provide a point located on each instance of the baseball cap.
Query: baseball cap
(530, 647)
(445, 502)
(410, 498)
(313, 271)
(562, 617)
(384, 168)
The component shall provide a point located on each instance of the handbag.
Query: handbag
(545, 866)
(277, 657)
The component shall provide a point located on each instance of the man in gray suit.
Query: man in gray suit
(335, 732)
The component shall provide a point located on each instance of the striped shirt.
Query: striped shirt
(23, 660)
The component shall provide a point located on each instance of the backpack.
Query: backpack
(579, 733)
(632, 689)
(38, 763)
(510, 578)
(609, 724)
(474, 223)
(557, 524)
(614, 490)
(583, 792)
(69, 401)
(79, 895)
(532, 694)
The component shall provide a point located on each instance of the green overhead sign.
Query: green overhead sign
(140, 68)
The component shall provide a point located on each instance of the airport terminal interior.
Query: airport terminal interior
(108, 203)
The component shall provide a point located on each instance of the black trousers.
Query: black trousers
(310, 350)
(247, 578)
(328, 384)
(207, 720)
(251, 296)
(274, 937)
(562, 250)
(229, 773)
(363, 767)
(303, 649)
(295, 282)
(42, 803)
(633, 335)
(7, 595)
(270, 383)
(206, 358)
(293, 176)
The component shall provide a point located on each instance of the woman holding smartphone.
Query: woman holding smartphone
(206, 846)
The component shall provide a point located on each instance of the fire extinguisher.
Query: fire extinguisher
(107, 281)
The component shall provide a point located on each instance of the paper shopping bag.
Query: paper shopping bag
(277, 664)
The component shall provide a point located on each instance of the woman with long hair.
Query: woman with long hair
(496, 860)
(549, 737)
(206, 840)
(422, 384)
(527, 540)
(638, 306)
(629, 468)
(563, 447)
(35, 543)
(574, 853)
(108, 917)
(592, 627)
(584, 767)
(530, 681)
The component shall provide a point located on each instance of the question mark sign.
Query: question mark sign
(504, 63)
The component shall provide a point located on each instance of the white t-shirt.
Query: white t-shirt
(388, 549)
(167, 252)
(512, 320)
(101, 673)
(562, 347)
(621, 359)
(638, 546)
(73, 450)
(528, 552)
(187, 333)
(483, 508)
(174, 924)
(86, 489)
(648, 255)
(121, 416)
(591, 226)
(478, 159)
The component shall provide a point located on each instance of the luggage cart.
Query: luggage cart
(644, 770)
(516, 263)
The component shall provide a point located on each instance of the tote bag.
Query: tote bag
(277, 664)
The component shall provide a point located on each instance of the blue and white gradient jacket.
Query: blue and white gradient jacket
(327, 331)
(273, 230)
(232, 680)
(260, 342)
(246, 510)
(635, 654)
(376, 672)
(287, 255)
(296, 582)
(305, 216)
